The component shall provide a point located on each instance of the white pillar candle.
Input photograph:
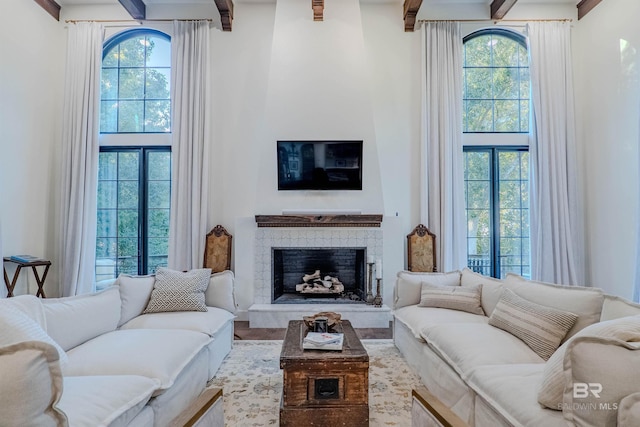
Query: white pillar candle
(370, 259)
(379, 269)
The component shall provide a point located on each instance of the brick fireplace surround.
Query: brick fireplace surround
(325, 231)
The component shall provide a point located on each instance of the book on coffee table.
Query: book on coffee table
(323, 341)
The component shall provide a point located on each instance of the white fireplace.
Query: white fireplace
(263, 313)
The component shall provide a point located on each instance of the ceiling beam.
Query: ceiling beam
(318, 9)
(136, 8)
(411, 8)
(225, 7)
(499, 8)
(51, 7)
(585, 7)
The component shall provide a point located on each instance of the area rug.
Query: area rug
(251, 380)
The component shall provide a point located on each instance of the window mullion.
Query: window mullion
(495, 213)
(142, 209)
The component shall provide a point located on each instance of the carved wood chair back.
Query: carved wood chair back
(217, 250)
(421, 250)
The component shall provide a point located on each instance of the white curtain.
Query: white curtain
(556, 231)
(80, 128)
(442, 205)
(190, 77)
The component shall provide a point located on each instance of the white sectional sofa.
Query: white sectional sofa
(448, 328)
(96, 360)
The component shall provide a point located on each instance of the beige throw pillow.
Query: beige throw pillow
(452, 297)
(409, 285)
(178, 291)
(599, 373)
(550, 394)
(541, 328)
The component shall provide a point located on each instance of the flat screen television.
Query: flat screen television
(319, 165)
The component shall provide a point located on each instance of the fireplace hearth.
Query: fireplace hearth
(312, 275)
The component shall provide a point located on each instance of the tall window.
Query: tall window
(134, 170)
(496, 159)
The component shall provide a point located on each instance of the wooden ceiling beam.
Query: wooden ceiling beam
(499, 8)
(135, 8)
(51, 7)
(411, 8)
(318, 9)
(585, 7)
(225, 7)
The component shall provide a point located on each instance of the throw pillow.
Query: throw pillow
(409, 285)
(452, 297)
(550, 394)
(178, 291)
(18, 327)
(607, 367)
(541, 328)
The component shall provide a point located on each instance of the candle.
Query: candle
(370, 259)
(378, 269)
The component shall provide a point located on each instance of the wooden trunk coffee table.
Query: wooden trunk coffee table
(324, 388)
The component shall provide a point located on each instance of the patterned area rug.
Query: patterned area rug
(251, 380)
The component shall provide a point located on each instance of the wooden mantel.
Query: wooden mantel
(319, 220)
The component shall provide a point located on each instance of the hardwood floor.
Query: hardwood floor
(243, 332)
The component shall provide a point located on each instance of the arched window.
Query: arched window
(134, 167)
(496, 82)
(496, 158)
(136, 77)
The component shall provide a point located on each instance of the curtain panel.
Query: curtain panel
(442, 206)
(191, 141)
(79, 147)
(556, 228)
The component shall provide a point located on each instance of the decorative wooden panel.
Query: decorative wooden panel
(217, 250)
(421, 250)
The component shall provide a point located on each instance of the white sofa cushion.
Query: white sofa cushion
(209, 322)
(420, 319)
(510, 390)
(585, 302)
(99, 401)
(452, 297)
(540, 327)
(29, 305)
(220, 292)
(30, 385)
(615, 307)
(491, 288)
(466, 346)
(135, 292)
(72, 321)
(552, 386)
(606, 363)
(409, 285)
(135, 352)
(178, 291)
(17, 327)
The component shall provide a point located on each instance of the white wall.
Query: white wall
(32, 52)
(607, 65)
(279, 75)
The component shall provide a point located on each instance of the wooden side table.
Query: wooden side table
(33, 264)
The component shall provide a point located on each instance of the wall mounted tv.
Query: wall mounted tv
(319, 165)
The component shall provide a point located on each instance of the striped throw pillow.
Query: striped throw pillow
(452, 297)
(178, 291)
(541, 328)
